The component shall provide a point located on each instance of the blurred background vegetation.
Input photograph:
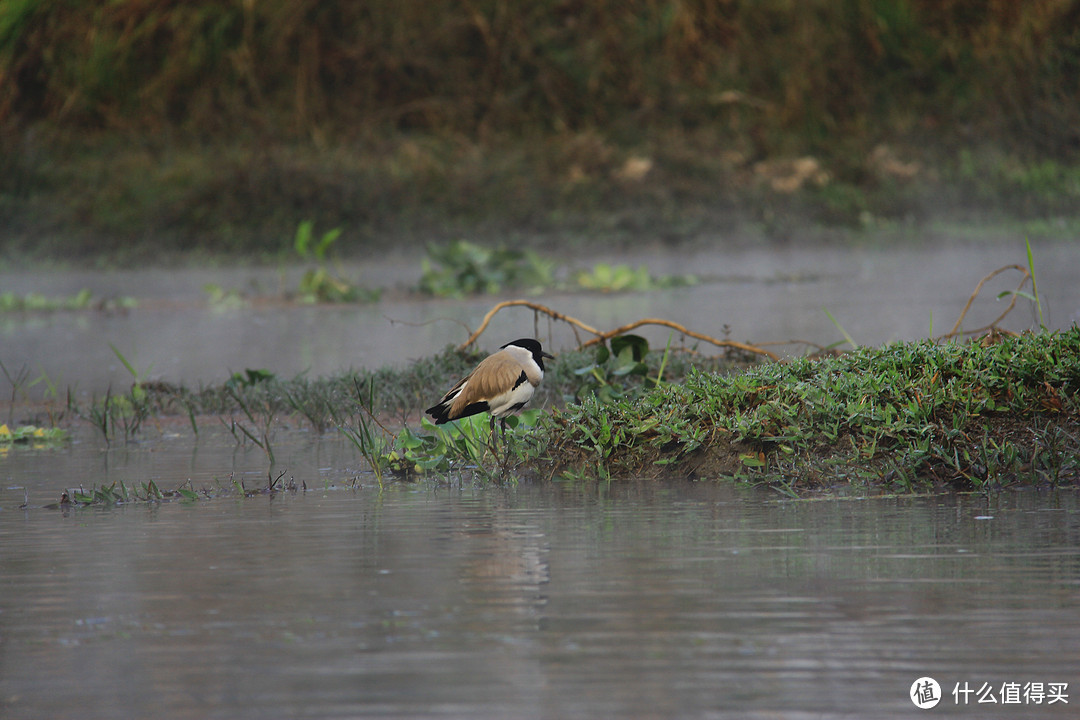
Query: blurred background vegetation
(130, 127)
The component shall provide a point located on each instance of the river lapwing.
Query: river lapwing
(502, 384)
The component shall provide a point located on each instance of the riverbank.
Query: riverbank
(114, 200)
(1000, 411)
(149, 131)
(995, 412)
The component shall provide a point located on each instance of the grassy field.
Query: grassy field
(140, 130)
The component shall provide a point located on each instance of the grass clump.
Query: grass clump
(251, 403)
(469, 445)
(320, 284)
(119, 493)
(30, 435)
(619, 278)
(910, 415)
(462, 268)
(82, 300)
(328, 402)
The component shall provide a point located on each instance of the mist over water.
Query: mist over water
(876, 295)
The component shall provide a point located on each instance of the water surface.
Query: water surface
(444, 599)
(773, 295)
(449, 600)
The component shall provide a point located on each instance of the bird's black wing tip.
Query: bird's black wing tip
(438, 413)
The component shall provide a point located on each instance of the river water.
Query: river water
(757, 295)
(449, 599)
(445, 599)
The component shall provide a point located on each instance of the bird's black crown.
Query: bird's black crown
(532, 346)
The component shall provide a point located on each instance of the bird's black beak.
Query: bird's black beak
(547, 355)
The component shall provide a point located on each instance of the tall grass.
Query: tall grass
(773, 72)
(224, 124)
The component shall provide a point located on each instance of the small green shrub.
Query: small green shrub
(36, 437)
(606, 377)
(319, 284)
(464, 444)
(462, 268)
(618, 278)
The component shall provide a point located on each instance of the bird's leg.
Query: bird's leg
(506, 448)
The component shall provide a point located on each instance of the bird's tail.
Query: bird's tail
(440, 413)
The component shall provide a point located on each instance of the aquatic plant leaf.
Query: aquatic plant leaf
(639, 346)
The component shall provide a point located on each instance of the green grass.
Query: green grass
(907, 417)
(82, 300)
(621, 278)
(363, 405)
(247, 402)
(463, 268)
(30, 435)
(910, 416)
(321, 284)
(324, 402)
(119, 493)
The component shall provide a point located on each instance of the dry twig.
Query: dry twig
(978, 288)
(603, 336)
(676, 326)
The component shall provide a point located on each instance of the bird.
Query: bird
(502, 384)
